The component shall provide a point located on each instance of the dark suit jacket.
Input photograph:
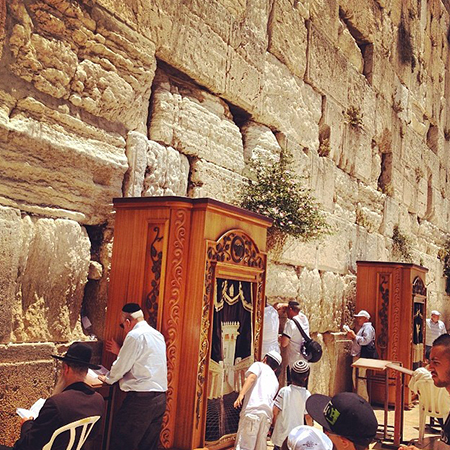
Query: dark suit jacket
(76, 402)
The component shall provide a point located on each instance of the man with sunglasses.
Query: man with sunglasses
(141, 370)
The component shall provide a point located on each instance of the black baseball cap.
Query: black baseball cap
(346, 414)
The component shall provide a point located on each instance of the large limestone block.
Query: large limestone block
(322, 181)
(10, 245)
(167, 171)
(329, 315)
(324, 15)
(190, 37)
(310, 294)
(54, 164)
(260, 143)
(22, 387)
(290, 105)
(348, 46)
(346, 195)
(326, 66)
(136, 151)
(51, 284)
(282, 282)
(288, 36)
(365, 18)
(209, 180)
(356, 155)
(95, 62)
(195, 123)
(334, 249)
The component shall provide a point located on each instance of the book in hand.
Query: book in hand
(92, 376)
(33, 411)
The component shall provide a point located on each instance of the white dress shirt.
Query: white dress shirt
(434, 330)
(141, 364)
(270, 330)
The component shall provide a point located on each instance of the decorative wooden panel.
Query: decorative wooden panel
(167, 254)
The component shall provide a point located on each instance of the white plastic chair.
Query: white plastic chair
(433, 402)
(86, 426)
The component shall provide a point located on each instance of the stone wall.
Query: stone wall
(102, 99)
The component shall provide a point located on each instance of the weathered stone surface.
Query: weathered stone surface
(195, 123)
(136, 151)
(85, 61)
(288, 36)
(282, 282)
(290, 104)
(259, 143)
(49, 290)
(71, 170)
(209, 180)
(167, 171)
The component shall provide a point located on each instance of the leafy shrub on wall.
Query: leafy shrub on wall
(273, 191)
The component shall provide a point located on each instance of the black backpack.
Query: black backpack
(311, 349)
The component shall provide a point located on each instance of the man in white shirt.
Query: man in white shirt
(435, 328)
(292, 338)
(141, 370)
(363, 346)
(270, 330)
(256, 397)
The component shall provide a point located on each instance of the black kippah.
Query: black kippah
(131, 308)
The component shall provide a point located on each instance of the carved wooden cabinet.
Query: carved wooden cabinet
(198, 268)
(395, 296)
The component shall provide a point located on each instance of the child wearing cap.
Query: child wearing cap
(347, 419)
(289, 406)
(307, 438)
(256, 398)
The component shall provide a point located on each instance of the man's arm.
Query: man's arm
(125, 360)
(249, 382)
(36, 433)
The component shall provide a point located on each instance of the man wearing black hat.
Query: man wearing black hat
(292, 338)
(347, 419)
(141, 370)
(72, 400)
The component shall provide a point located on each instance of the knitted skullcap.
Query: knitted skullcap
(300, 366)
(131, 308)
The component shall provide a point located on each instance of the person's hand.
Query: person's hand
(238, 401)
(26, 419)
(102, 378)
(112, 346)
(408, 447)
(351, 334)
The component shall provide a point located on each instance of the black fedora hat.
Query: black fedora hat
(78, 353)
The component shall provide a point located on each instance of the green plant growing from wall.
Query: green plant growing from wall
(444, 257)
(401, 245)
(353, 116)
(273, 191)
(324, 148)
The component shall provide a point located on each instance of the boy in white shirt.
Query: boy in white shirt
(289, 407)
(256, 398)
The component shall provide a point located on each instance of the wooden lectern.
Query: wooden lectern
(395, 296)
(198, 268)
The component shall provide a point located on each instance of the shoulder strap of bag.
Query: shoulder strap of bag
(302, 331)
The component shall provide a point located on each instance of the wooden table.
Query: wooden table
(380, 365)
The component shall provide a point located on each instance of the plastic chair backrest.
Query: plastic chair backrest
(434, 401)
(86, 426)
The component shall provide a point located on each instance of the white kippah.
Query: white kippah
(137, 314)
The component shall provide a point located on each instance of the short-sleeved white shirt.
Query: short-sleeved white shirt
(291, 401)
(270, 330)
(259, 399)
(296, 340)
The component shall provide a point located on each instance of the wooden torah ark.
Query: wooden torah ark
(395, 296)
(177, 257)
